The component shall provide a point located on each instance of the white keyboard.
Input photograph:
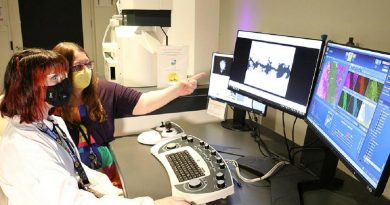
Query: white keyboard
(197, 172)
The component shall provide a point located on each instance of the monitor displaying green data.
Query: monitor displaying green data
(350, 110)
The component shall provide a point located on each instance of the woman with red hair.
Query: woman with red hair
(39, 162)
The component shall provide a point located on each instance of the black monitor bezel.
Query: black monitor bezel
(386, 171)
(272, 103)
(230, 103)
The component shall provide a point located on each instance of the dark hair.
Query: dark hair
(25, 83)
(89, 95)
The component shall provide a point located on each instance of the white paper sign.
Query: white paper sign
(216, 108)
(172, 64)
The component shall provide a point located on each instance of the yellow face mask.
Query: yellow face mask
(82, 78)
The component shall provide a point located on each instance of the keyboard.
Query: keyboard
(184, 166)
(196, 171)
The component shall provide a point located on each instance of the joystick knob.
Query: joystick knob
(161, 127)
(220, 175)
(195, 183)
(221, 184)
(168, 125)
(190, 139)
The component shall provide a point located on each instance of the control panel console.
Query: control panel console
(196, 170)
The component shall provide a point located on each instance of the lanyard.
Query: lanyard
(59, 136)
(84, 135)
(95, 163)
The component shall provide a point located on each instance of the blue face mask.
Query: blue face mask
(58, 95)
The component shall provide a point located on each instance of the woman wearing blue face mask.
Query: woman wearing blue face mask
(39, 162)
(95, 103)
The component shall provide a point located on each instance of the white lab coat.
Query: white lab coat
(35, 170)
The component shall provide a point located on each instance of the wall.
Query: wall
(206, 24)
(5, 51)
(366, 21)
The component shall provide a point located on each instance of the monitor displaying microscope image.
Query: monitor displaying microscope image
(270, 64)
(276, 70)
(218, 90)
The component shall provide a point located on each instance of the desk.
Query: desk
(142, 174)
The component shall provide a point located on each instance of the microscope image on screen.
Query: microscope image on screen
(269, 65)
(222, 65)
(331, 81)
(359, 96)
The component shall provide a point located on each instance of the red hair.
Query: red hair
(25, 83)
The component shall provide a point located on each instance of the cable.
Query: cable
(113, 21)
(293, 128)
(305, 148)
(257, 137)
(104, 39)
(271, 172)
(293, 138)
(285, 138)
(166, 36)
(256, 133)
(260, 143)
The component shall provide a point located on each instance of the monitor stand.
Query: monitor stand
(290, 182)
(321, 162)
(238, 123)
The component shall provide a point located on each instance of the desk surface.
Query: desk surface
(142, 174)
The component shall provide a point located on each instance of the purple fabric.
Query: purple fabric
(116, 100)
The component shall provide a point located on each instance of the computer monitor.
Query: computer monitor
(350, 110)
(276, 70)
(218, 90)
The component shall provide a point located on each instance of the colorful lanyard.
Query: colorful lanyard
(95, 163)
(59, 136)
(85, 136)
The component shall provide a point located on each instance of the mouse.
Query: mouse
(150, 137)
